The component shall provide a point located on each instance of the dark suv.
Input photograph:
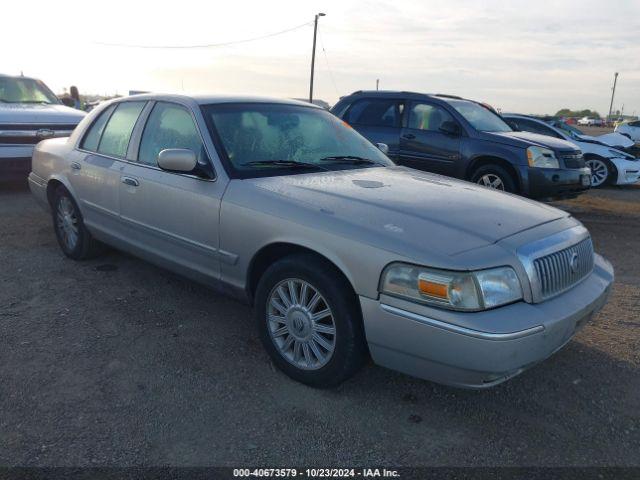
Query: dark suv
(465, 139)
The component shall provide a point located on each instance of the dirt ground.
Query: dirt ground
(116, 362)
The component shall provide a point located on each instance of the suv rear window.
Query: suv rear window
(378, 112)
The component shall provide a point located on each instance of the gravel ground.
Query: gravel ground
(116, 362)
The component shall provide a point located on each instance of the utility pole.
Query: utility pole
(377, 83)
(313, 54)
(613, 92)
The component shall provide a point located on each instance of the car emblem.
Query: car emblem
(45, 133)
(573, 263)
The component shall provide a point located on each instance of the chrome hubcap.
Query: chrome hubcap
(599, 172)
(67, 223)
(491, 180)
(301, 324)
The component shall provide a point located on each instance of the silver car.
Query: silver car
(341, 253)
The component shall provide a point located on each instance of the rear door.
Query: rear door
(96, 165)
(423, 145)
(377, 119)
(172, 217)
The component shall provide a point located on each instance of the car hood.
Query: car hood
(405, 210)
(13, 113)
(527, 139)
(616, 140)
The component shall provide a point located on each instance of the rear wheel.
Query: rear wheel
(309, 322)
(73, 237)
(600, 172)
(494, 176)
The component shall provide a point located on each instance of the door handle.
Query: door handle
(409, 136)
(76, 166)
(132, 182)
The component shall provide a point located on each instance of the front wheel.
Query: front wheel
(600, 172)
(494, 176)
(309, 322)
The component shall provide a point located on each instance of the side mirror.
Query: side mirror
(450, 128)
(177, 160)
(383, 147)
(513, 125)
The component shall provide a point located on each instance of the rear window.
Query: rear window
(377, 112)
(116, 135)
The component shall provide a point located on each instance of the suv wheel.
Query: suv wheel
(73, 237)
(494, 176)
(600, 171)
(308, 321)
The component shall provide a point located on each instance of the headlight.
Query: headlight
(465, 291)
(542, 158)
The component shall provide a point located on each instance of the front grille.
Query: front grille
(561, 270)
(30, 134)
(573, 160)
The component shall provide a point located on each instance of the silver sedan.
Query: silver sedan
(341, 253)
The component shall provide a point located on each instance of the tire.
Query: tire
(495, 175)
(345, 350)
(600, 172)
(68, 222)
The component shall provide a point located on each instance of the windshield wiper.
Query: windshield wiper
(34, 101)
(351, 159)
(285, 163)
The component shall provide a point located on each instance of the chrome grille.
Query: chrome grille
(30, 134)
(573, 160)
(561, 270)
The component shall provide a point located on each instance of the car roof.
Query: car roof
(218, 99)
(544, 120)
(405, 94)
(3, 75)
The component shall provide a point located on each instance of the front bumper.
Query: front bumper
(554, 182)
(15, 162)
(628, 171)
(479, 350)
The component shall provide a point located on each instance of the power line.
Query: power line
(210, 45)
(326, 59)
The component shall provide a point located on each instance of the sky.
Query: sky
(519, 56)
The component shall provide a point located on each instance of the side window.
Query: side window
(169, 126)
(377, 112)
(116, 135)
(423, 116)
(92, 137)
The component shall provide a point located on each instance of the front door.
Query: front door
(172, 217)
(423, 143)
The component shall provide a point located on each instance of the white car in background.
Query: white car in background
(608, 165)
(590, 122)
(630, 130)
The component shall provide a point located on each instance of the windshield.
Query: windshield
(259, 138)
(574, 132)
(25, 90)
(479, 117)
